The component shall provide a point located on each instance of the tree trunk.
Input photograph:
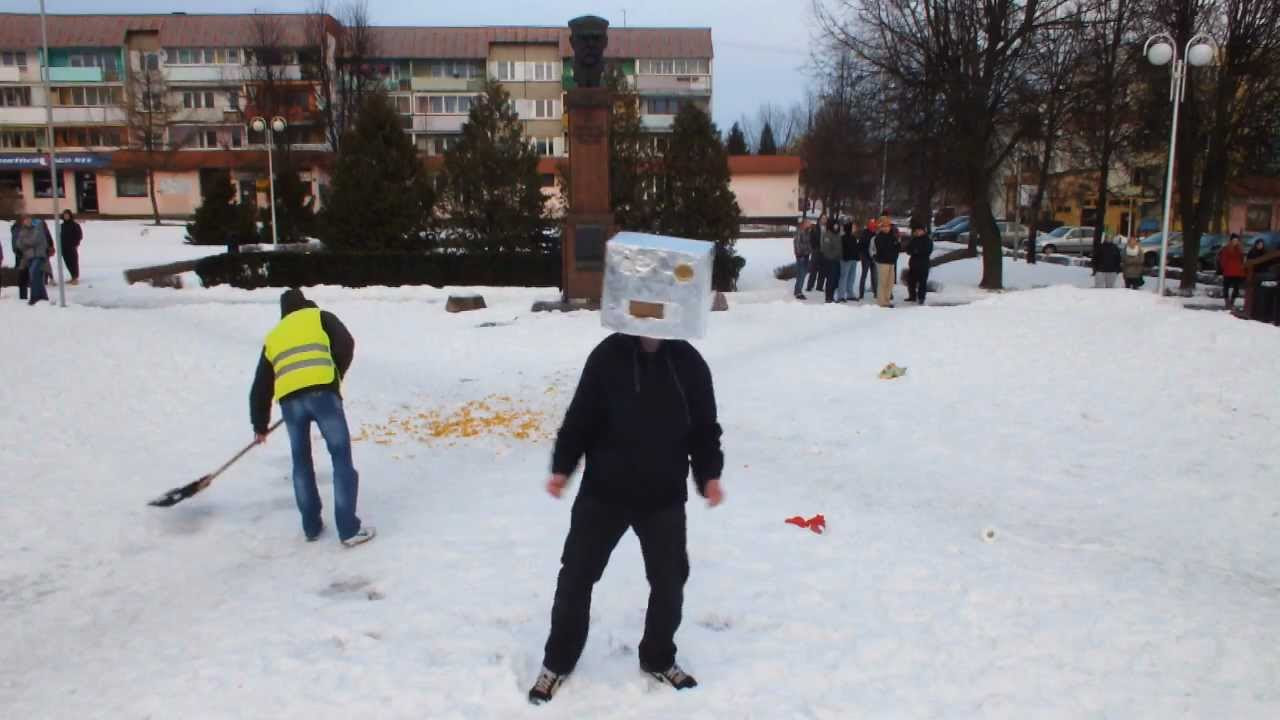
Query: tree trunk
(982, 224)
(1104, 166)
(151, 187)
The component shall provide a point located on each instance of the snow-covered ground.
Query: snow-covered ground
(1121, 448)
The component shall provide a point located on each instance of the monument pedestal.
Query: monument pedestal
(589, 223)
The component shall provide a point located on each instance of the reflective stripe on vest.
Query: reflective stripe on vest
(298, 350)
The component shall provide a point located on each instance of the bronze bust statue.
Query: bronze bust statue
(589, 36)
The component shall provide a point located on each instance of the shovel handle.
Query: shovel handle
(242, 452)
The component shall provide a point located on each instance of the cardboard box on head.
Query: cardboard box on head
(657, 286)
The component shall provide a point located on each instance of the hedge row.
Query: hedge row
(257, 270)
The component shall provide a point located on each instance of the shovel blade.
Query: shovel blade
(178, 494)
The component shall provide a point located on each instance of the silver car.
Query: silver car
(1012, 234)
(1073, 240)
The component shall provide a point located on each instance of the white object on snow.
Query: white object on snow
(657, 286)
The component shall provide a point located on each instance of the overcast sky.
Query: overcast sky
(761, 46)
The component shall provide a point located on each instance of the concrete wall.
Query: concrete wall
(766, 196)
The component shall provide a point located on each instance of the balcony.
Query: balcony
(76, 74)
(22, 115)
(10, 73)
(204, 115)
(447, 84)
(657, 123)
(674, 84)
(205, 74)
(439, 123)
(109, 115)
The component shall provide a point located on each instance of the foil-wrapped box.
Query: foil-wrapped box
(657, 286)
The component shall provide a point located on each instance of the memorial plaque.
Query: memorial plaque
(588, 247)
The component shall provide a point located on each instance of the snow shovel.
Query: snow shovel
(178, 494)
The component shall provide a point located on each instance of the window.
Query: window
(237, 139)
(464, 104)
(233, 100)
(210, 57)
(198, 99)
(546, 109)
(44, 185)
(20, 139)
(450, 104)
(233, 56)
(406, 122)
(15, 97)
(131, 183)
(545, 71)
(88, 96)
(152, 61)
(403, 105)
(675, 66)
(663, 105)
(507, 70)
(11, 182)
(544, 146)
(441, 145)
(1257, 218)
(15, 58)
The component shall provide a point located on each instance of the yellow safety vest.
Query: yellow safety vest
(298, 350)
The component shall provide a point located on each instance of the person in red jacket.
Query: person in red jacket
(1231, 262)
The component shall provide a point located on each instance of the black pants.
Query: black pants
(23, 281)
(831, 272)
(817, 273)
(868, 267)
(1133, 283)
(1231, 286)
(919, 286)
(594, 531)
(71, 256)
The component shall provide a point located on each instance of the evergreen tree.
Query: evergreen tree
(381, 196)
(220, 220)
(694, 198)
(631, 157)
(737, 144)
(768, 146)
(492, 190)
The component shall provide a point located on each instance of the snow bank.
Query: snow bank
(1118, 445)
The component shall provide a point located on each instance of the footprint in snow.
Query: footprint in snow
(352, 586)
(715, 623)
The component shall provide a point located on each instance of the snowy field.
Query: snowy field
(1121, 448)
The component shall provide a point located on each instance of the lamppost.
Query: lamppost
(55, 175)
(1160, 49)
(277, 125)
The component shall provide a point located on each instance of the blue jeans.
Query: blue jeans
(848, 269)
(35, 279)
(324, 407)
(802, 267)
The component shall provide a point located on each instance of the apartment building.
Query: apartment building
(194, 83)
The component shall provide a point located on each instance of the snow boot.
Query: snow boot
(675, 677)
(313, 538)
(364, 535)
(544, 688)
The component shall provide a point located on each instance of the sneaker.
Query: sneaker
(544, 688)
(313, 538)
(800, 296)
(362, 536)
(675, 677)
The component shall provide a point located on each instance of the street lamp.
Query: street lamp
(277, 125)
(1160, 49)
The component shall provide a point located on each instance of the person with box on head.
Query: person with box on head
(301, 366)
(644, 412)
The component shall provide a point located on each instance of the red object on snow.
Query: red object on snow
(817, 523)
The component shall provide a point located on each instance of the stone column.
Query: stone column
(590, 219)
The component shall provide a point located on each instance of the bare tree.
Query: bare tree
(968, 54)
(150, 112)
(341, 63)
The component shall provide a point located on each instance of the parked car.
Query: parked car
(1012, 234)
(1066, 240)
(1210, 244)
(1151, 247)
(951, 231)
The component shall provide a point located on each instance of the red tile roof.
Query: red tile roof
(764, 164)
(473, 42)
(22, 30)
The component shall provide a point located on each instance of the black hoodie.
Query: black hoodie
(641, 418)
(341, 345)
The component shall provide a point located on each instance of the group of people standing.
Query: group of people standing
(829, 252)
(33, 248)
(1130, 262)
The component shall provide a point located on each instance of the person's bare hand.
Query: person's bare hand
(556, 485)
(259, 438)
(713, 492)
